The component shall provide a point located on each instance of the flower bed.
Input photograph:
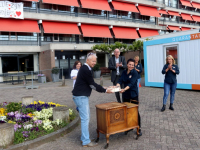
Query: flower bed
(32, 121)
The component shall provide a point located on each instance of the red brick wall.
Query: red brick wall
(47, 61)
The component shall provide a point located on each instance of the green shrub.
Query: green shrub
(55, 70)
(96, 67)
(12, 107)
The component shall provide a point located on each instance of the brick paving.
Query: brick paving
(170, 130)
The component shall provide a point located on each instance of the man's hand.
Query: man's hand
(118, 85)
(117, 65)
(120, 65)
(105, 87)
(109, 91)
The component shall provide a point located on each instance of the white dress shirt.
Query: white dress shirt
(117, 61)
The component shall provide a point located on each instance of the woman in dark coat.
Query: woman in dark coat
(130, 92)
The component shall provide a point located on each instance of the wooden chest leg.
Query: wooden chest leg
(107, 141)
(97, 140)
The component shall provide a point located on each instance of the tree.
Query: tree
(138, 46)
(110, 48)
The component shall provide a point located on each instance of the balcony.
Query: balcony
(18, 40)
(104, 15)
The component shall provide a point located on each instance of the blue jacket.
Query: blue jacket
(170, 77)
(131, 81)
(139, 67)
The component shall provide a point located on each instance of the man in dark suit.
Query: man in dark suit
(117, 64)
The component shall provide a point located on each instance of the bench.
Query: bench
(104, 70)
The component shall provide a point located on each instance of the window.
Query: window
(172, 50)
(55, 37)
(13, 36)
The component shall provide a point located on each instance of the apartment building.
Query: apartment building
(59, 32)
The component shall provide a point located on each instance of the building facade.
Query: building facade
(56, 33)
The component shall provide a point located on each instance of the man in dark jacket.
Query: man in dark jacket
(117, 64)
(81, 92)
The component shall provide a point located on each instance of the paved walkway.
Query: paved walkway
(170, 130)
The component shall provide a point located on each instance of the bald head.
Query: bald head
(117, 53)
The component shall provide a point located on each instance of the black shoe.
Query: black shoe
(171, 107)
(163, 108)
(140, 132)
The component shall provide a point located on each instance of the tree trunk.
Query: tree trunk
(140, 55)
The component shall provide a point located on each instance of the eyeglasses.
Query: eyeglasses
(89, 54)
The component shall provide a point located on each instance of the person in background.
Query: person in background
(74, 72)
(170, 70)
(81, 93)
(117, 64)
(138, 68)
(130, 92)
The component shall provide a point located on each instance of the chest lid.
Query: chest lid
(111, 105)
(130, 105)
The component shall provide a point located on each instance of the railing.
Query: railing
(92, 16)
(30, 9)
(96, 16)
(51, 11)
(18, 40)
(91, 42)
(169, 20)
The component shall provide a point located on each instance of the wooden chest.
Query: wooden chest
(116, 117)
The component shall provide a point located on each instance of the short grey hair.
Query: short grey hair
(89, 55)
(116, 49)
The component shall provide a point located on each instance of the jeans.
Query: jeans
(169, 87)
(82, 102)
(138, 82)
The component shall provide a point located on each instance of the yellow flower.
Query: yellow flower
(3, 112)
(30, 114)
(34, 102)
(11, 122)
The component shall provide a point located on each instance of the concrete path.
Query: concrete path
(170, 130)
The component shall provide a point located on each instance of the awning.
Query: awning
(96, 4)
(124, 6)
(172, 13)
(186, 3)
(95, 31)
(196, 18)
(186, 17)
(184, 28)
(174, 28)
(148, 11)
(196, 5)
(15, 25)
(146, 32)
(125, 33)
(60, 27)
(163, 12)
(62, 2)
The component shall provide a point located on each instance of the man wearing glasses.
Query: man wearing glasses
(81, 92)
(117, 64)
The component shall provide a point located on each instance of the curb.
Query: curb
(47, 138)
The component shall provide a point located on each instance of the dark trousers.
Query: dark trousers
(135, 102)
(117, 93)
